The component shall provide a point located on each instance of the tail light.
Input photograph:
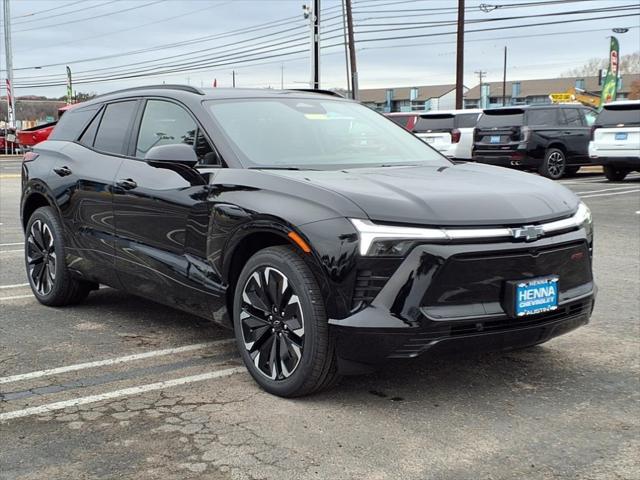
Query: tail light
(455, 135)
(29, 157)
(525, 133)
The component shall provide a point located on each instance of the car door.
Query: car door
(576, 134)
(82, 179)
(161, 215)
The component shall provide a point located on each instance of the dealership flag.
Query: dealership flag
(610, 85)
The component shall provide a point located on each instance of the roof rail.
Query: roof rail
(184, 88)
(317, 90)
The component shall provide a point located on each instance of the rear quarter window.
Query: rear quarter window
(543, 117)
(612, 117)
(72, 124)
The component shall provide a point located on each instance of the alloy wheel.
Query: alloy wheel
(41, 257)
(272, 323)
(555, 164)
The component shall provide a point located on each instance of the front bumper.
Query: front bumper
(449, 299)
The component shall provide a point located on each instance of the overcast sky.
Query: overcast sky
(77, 33)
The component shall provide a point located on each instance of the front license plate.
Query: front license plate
(494, 139)
(621, 136)
(536, 296)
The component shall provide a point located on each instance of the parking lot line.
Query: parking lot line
(12, 251)
(610, 194)
(588, 192)
(10, 244)
(112, 361)
(125, 392)
(16, 285)
(16, 297)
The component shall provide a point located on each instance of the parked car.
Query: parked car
(550, 139)
(615, 139)
(328, 239)
(8, 140)
(29, 137)
(406, 120)
(450, 132)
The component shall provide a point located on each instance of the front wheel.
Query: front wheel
(614, 174)
(554, 164)
(281, 326)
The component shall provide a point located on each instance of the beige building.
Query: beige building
(532, 92)
(406, 99)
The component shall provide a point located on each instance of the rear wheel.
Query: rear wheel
(614, 174)
(50, 280)
(554, 164)
(280, 324)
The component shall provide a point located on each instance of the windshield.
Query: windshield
(504, 118)
(316, 134)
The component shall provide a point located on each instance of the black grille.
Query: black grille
(368, 285)
(422, 340)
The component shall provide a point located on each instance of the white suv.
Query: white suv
(448, 131)
(615, 139)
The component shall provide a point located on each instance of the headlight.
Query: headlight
(387, 240)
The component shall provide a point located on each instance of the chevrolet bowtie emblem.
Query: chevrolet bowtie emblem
(528, 232)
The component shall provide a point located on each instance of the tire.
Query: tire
(554, 164)
(614, 174)
(49, 278)
(297, 336)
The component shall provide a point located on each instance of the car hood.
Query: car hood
(462, 194)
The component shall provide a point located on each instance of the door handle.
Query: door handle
(63, 171)
(126, 184)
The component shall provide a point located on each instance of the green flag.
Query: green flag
(610, 85)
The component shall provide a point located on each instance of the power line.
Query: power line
(205, 66)
(40, 12)
(84, 19)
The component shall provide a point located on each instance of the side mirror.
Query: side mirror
(163, 156)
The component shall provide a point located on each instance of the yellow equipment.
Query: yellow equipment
(576, 95)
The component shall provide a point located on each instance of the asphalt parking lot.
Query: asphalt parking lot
(119, 387)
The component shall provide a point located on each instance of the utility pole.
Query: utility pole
(352, 52)
(480, 75)
(282, 77)
(460, 56)
(11, 119)
(504, 79)
(346, 48)
(313, 14)
(233, 76)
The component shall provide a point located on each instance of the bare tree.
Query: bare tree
(629, 63)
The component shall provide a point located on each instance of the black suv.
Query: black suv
(328, 237)
(551, 139)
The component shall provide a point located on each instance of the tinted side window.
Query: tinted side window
(115, 126)
(467, 120)
(573, 117)
(72, 123)
(164, 123)
(542, 116)
(89, 134)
